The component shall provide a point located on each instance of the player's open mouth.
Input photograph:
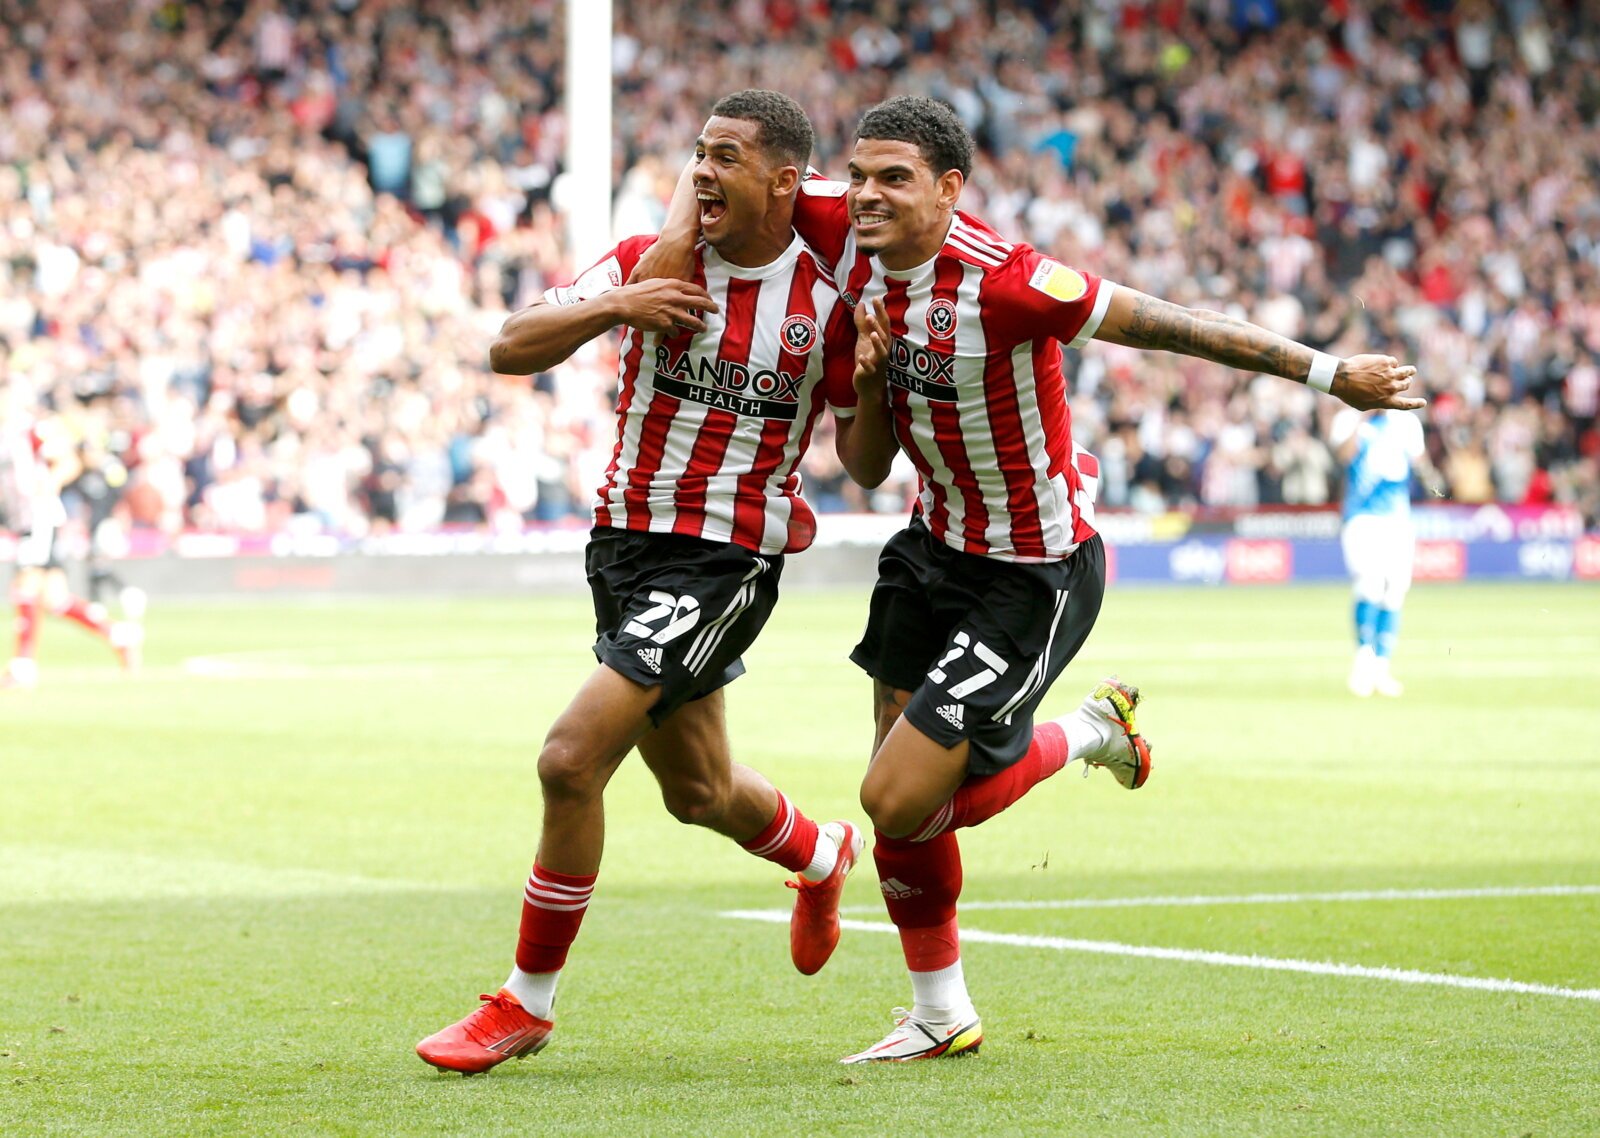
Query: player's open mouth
(868, 220)
(711, 207)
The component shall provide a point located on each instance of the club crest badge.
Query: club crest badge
(942, 319)
(798, 333)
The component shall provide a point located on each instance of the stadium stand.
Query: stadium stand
(263, 246)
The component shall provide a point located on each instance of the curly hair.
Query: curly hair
(785, 130)
(929, 125)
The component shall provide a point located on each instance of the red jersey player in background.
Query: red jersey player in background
(38, 454)
(722, 380)
(997, 582)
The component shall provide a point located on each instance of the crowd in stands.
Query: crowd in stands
(260, 247)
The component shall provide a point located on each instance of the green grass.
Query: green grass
(230, 903)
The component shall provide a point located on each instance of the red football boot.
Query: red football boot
(499, 1030)
(814, 924)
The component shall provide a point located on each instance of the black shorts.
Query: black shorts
(677, 611)
(977, 641)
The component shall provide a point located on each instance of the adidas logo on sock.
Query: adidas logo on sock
(651, 658)
(953, 713)
(898, 890)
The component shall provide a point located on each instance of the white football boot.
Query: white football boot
(1124, 752)
(1382, 682)
(917, 1038)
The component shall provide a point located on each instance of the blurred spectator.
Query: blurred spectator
(278, 234)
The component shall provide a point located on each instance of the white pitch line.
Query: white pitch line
(1276, 898)
(1221, 959)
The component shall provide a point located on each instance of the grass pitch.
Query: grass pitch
(235, 890)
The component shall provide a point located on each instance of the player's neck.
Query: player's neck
(760, 247)
(918, 250)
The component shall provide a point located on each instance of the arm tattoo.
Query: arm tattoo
(887, 704)
(1213, 336)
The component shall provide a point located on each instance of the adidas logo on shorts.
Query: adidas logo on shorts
(651, 658)
(953, 714)
(897, 889)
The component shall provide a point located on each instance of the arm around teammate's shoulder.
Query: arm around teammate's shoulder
(1366, 381)
(672, 254)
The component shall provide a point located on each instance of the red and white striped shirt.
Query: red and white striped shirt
(975, 383)
(711, 425)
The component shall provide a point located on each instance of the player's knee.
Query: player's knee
(26, 585)
(892, 814)
(694, 802)
(567, 770)
(56, 594)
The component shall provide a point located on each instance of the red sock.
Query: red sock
(91, 616)
(27, 627)
(921, 882)
(789, 839)
(553, 905)
(982, 797)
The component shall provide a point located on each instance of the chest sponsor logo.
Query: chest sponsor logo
(757, 392)
(942, 319)
(1058, 282)
(931, 375)
(798, 334)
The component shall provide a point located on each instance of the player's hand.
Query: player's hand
(665, 306)
(666, 260)
(1369, 382)
(872, 349)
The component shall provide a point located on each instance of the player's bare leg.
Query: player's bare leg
(23, 670)
(910, 777)
(701, 785)
(917, 792)
(581, 752)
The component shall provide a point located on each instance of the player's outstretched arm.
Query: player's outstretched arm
(866, 443)
(672, 256)
(543, 335)
(1365, 382)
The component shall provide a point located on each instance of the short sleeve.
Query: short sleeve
(839, 361)
(822, 215)
(609, 272)
(1033, 296)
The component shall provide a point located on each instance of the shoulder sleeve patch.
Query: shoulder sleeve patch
(602, 278)
(1058, 282)
(819, 187)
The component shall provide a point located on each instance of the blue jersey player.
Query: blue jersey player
(1379, 450)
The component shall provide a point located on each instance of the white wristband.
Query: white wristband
(1323, 369)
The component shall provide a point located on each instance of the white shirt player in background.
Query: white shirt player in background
(1379, 450)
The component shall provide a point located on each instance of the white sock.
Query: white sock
(941, 996)
(535, 991)
(1085, 735)
(826, 854)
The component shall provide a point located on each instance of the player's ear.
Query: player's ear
(785, 180)
(949, 184)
